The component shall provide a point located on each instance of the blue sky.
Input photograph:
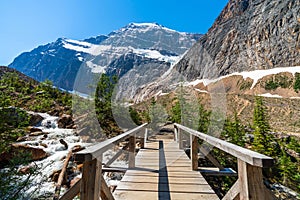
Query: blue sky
(25, 24)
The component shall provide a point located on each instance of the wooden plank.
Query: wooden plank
(131, 161)
(248, 156)
(72, 192)
(105, 191)
(163, 177)
(233, 193)
(117, 155)
(214, 161)
(62, 176)
(95, 151)
(212, 171)
(194, 152)
(251, 182)
(91, 181)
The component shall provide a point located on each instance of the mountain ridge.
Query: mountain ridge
(61, 60)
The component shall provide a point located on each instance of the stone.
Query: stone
(64, 143)
(37, 133)
(65, 121)
(32, 129)
(25, 170)
(35, 119)
(77, 148)
(33, 152)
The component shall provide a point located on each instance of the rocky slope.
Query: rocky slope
(248, 35)
(136, 48)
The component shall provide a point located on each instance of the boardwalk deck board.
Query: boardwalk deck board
(163, 172)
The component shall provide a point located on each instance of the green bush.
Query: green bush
(297, 82)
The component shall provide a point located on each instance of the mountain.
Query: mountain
(248, 35)
(134, 50)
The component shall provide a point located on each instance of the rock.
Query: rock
(77, 148)
(54, 176)
(44, 145)
(35, 119)
(73, 181)
(65, 121)
(25, 170)
(17, 149)
(22, 138)
(64, 143)
(32, 129)
(37, 133)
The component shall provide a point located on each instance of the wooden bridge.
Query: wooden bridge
(162, 170)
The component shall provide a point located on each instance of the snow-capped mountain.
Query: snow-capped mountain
(133, 51)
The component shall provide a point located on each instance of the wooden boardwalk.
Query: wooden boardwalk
(163, 172)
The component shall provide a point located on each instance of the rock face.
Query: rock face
(248, 35)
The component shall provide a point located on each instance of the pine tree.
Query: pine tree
(176, 113)
(263, 140)
(103, 102)
(234, 132)
(204, 118)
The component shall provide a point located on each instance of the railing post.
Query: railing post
(131, 151)
(144, 138)
(175, 133)
(251, 182)
(180, 141)
(194, 152)
(91, 179)
(146, 135)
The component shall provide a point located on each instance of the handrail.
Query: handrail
(250, 177)
(97, 150)
(246, 155)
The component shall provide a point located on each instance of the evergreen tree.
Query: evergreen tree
(204, 118)
(176, 113)
(103, 103)
(234, 132)
(263, 140)
(135, 116)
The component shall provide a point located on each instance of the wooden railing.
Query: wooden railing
(250, 179)
(92, 184)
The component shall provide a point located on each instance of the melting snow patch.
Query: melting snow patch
(270, 95)
(254, 75)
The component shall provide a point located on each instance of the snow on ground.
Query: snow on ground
(270, 95)
(254, 75)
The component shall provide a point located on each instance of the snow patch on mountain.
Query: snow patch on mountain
(270, 95)
(254, 75)
(96, 68)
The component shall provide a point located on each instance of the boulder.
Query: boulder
(36, 133)
(65, 121)
(19, 149)
(32, 129)
(64, 143)
(25, 169)
(35, 119)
